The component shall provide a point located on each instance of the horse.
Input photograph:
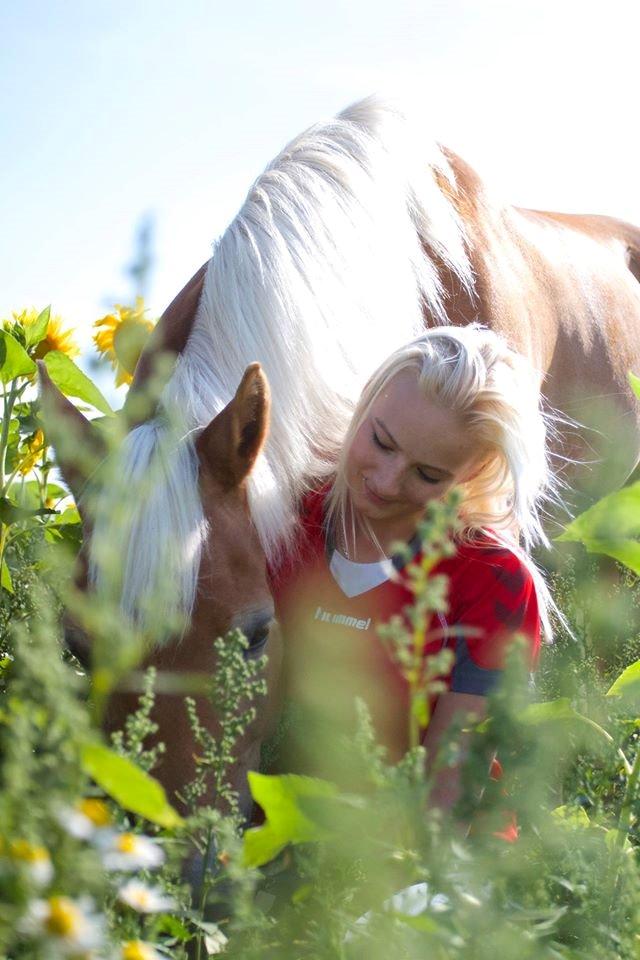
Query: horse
(233, 590)
(359, 233)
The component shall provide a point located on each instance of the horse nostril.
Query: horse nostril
(77, 643)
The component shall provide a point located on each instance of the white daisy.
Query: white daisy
(85, 819)
(144, 899)
(35, 859)
(71, 927)
(129, 851)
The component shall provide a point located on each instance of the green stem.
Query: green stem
(6, 486)
(204, 889)
(7, 406)
(9, 400)
(4, 533)
(624, 823)
(624, 819)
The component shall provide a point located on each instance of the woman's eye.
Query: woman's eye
(427, 478)
(378, 442)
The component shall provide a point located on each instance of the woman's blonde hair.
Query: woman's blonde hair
(473, 371)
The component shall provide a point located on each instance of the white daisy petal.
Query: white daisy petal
(144, 899)
(130, 851)
(71, 927)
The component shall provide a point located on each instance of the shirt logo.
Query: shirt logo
(341, 619)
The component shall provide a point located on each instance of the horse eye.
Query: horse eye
(257, 638)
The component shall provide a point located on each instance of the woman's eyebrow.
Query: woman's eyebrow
(424, 466)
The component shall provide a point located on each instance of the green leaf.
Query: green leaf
(73, 382)
(611, 527)
(5, 577)
(285, 822)
(553, 711)
(27, 494)
(628, 683)
(14, 359)
(635, 384)
(127, 784)
(10, 513)
(571, 816)
(424, 923)
(37, 331)
(166, 923)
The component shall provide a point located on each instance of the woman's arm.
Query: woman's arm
(450, 706)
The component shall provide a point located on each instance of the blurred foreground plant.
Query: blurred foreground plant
(96, 862)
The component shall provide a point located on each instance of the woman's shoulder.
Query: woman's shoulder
(308, 540)
(486, 561)
(488, 548)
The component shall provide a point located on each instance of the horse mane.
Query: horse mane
(331, 263)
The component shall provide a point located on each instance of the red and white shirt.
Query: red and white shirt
(332, 648)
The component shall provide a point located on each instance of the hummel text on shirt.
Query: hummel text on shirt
(325, 617)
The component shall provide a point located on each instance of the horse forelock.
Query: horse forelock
(328, 267)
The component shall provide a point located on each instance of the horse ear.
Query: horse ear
(229, 445)
(79, 447)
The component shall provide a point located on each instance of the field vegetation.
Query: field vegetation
(97, 862)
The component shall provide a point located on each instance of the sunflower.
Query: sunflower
(121, 337)
(56, 337)
(32, 451)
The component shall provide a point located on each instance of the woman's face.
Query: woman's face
(407, 451)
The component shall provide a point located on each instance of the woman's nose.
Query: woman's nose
(387, 479)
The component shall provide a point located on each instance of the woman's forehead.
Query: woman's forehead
(421, 427)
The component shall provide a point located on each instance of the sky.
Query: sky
(113, 111)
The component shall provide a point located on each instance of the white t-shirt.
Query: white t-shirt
(356, 578)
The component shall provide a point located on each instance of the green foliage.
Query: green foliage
(548, 869)
(14, 360)
(73, 382)
(285, 822)
(611, 527)
(128, 785)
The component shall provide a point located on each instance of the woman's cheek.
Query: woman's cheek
(359, 456)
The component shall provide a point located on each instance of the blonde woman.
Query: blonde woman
(455, 408)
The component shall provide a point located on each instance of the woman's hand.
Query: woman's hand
(450, 707)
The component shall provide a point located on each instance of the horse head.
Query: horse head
(231, 589)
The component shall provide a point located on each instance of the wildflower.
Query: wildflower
(85, 819)
(70, 926)
(215, 941)
(34, 449)
(144, 899)
(130, 851)
(35, 858)
(56, 337)
(138, 950)
(121, 337)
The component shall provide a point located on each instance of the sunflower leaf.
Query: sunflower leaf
(37, 331)
(73, 382)
(14, 359)
(5, 577)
